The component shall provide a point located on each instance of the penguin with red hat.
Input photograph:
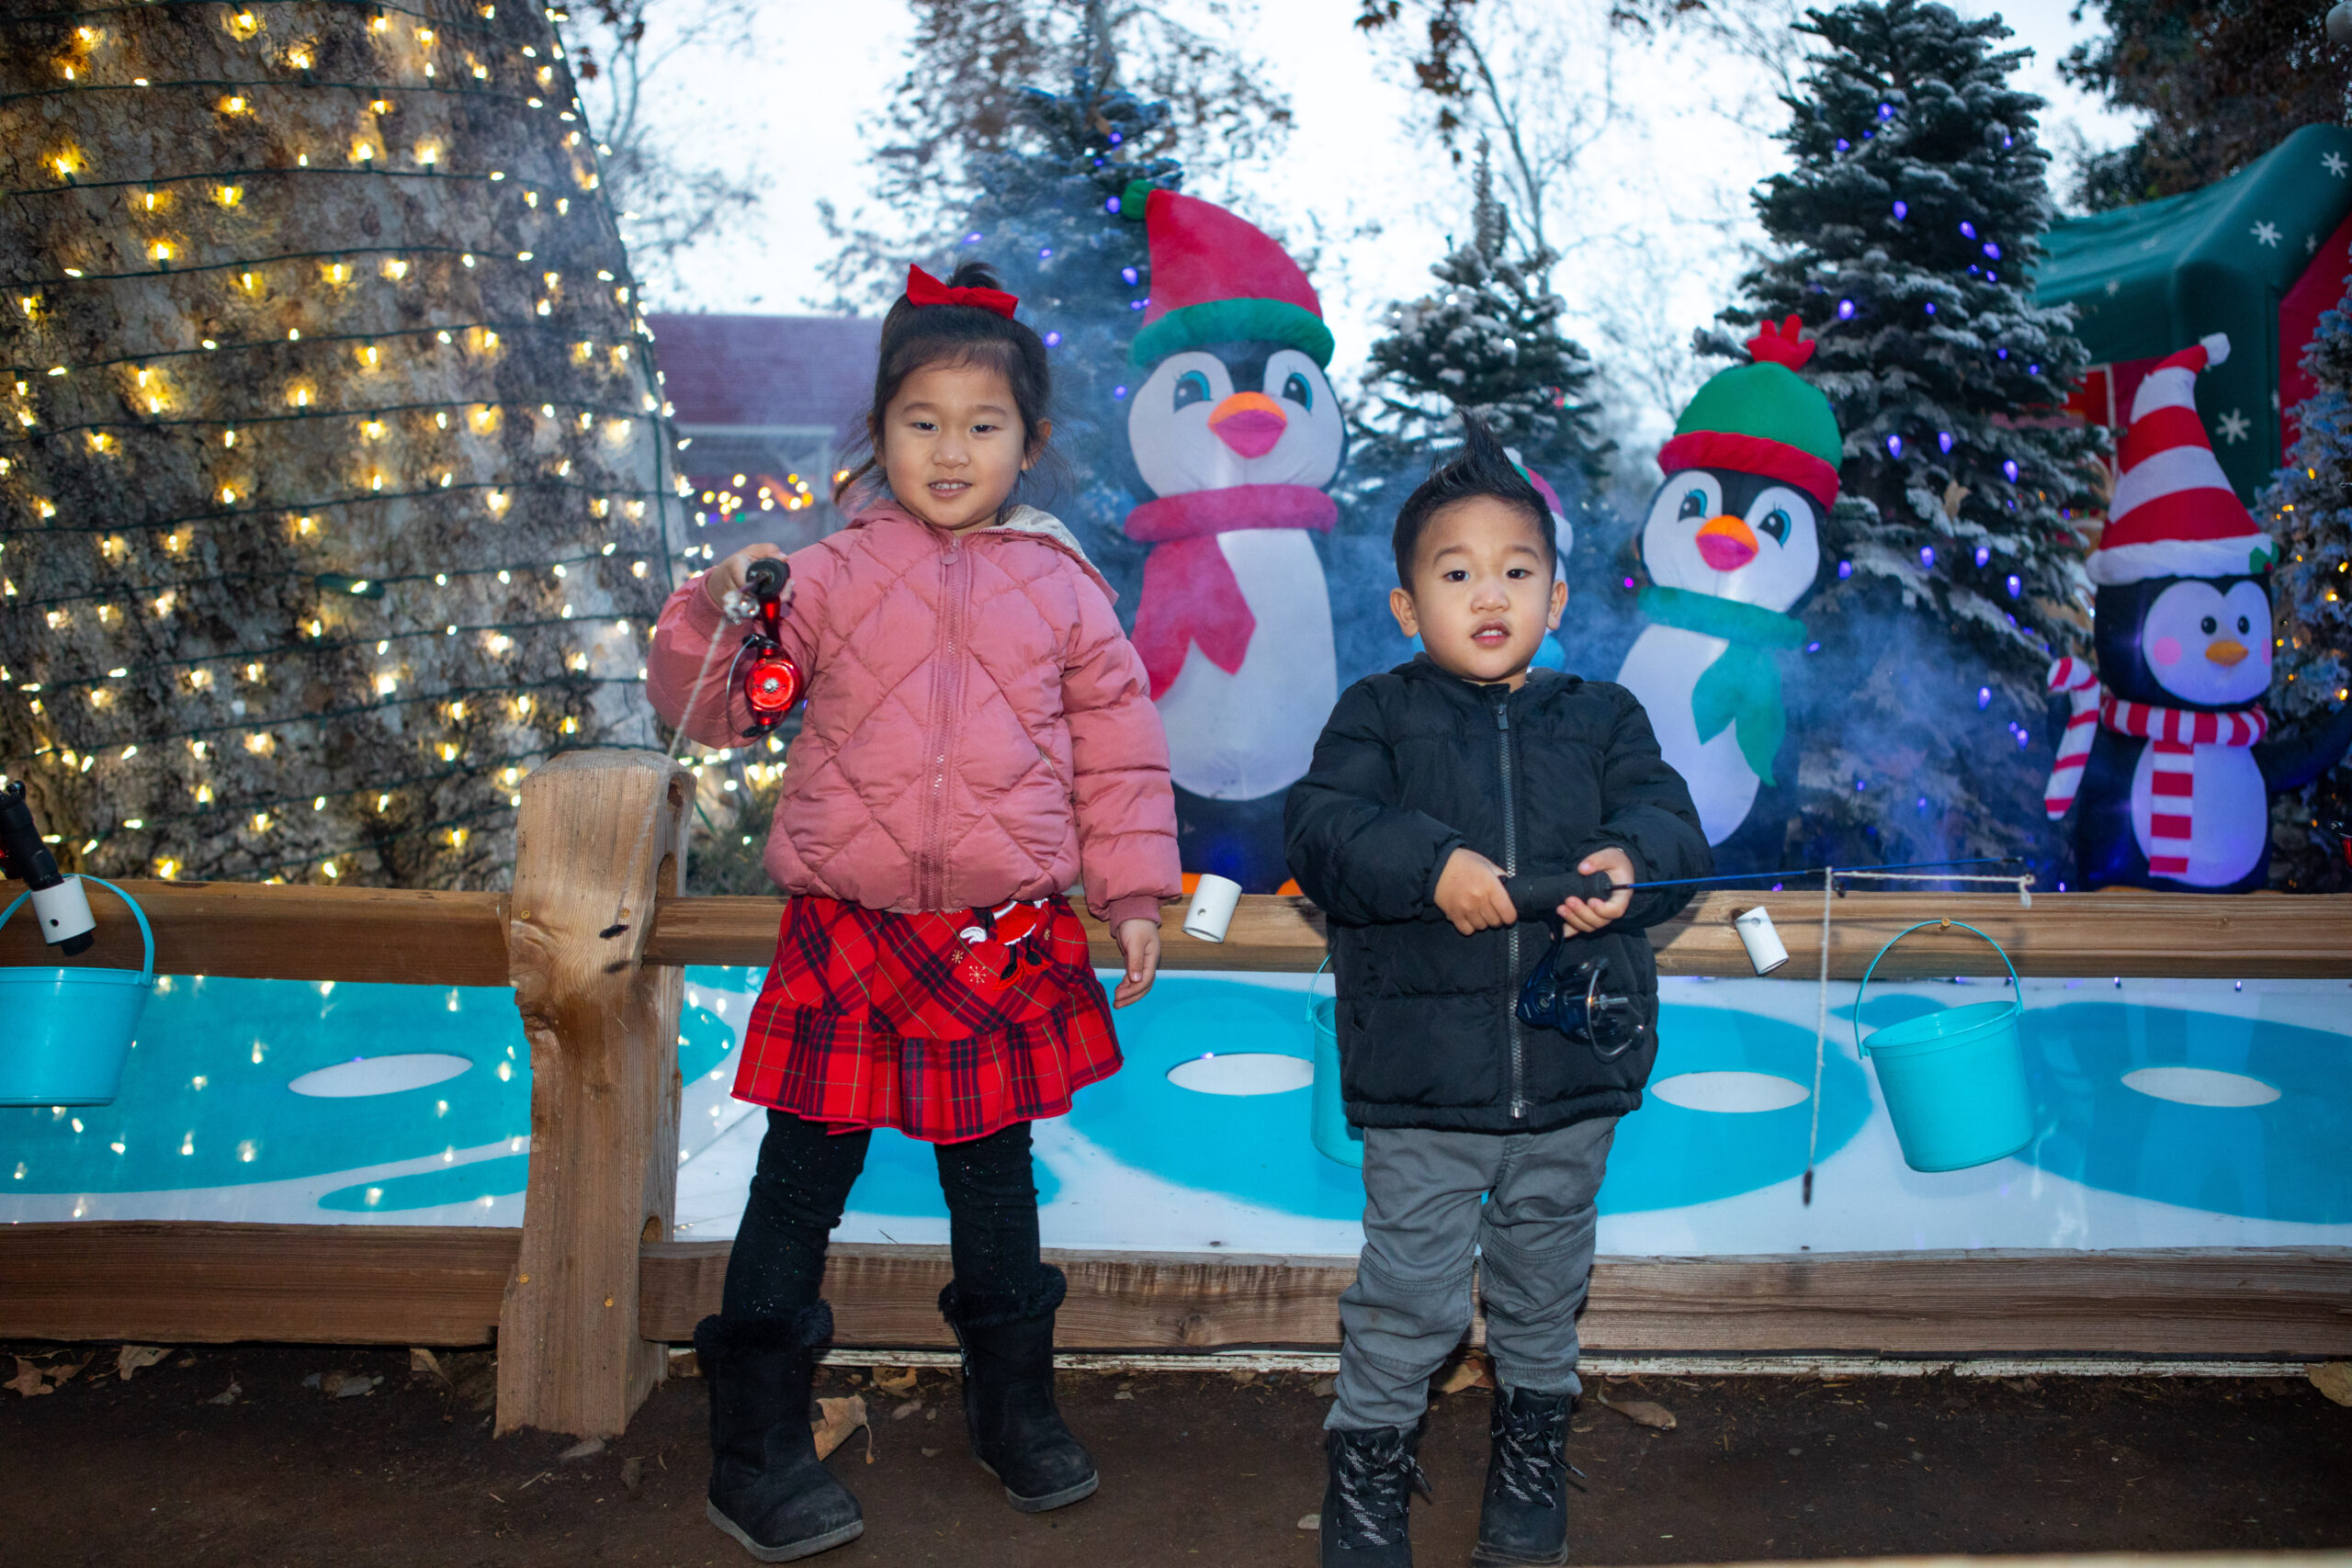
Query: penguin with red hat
(1235, 432)
(2166, 755)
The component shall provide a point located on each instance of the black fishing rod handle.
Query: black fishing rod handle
(1538, 897)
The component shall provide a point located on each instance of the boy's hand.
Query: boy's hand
(725, 580)
(1471, 893)
(1139, 942)
(1589, 915)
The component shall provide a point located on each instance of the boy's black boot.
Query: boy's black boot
(1368, 1495)
(767, 1488)
(1017, 1430)
(1524, 1519)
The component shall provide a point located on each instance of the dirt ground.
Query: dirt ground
(1196, 1467)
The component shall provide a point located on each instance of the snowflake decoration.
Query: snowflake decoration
(2236, 427)
(2115, 286)
(2266, 233)
(2335, 165)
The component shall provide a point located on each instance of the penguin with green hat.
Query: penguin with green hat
(1732, 543)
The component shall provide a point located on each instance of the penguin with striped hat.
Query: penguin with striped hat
(2166, 755)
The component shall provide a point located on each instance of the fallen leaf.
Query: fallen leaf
(1471, 1372)
(227, 1395)
(836, 1419)
(931, 1454)
(422, 1360)
(2332, 1379)
(684, 1363)
(349, 1385)
(1123, 1393)
(632, 1472)
(132, 1358)
(895, 1379)
(1324, 1387)
(67, 1374)
(586, 1448)
(28, 1380)
(1243, 1375)
(909, 1408)
(1310, 1521)
(1642, 1412)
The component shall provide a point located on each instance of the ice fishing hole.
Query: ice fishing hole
(364, 1076)
(1243, 1072)
(1730, 1092)
(2200, 1086)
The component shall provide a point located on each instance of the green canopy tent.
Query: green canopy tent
(2259, 256)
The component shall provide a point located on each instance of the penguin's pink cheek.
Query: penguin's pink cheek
(2164, 651)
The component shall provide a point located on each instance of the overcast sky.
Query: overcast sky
(1654, 236)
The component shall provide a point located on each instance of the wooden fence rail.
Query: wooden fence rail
(593, 940)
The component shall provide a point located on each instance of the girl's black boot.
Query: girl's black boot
(767, 1488)
(1017, 1430)
(1368, 1496)
(1524, 1519)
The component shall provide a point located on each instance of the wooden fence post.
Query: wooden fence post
(601, 833)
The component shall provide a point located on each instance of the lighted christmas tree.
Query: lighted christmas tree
(2306, 508)
(1908, 228)
(337, 488)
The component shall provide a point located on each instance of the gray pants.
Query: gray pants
(1424, 1227)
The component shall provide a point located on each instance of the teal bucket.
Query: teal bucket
(1954, 1081)
(68, 1031)
(1335, 1136)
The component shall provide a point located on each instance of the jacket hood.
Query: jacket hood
(1029, 522)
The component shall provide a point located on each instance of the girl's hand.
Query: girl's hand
(1139, 940)
(1589, 915)
(726, 579)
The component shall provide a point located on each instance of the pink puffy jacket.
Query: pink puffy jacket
(978, 726)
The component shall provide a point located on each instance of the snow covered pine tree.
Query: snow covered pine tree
(333, 495)
(1907, 230)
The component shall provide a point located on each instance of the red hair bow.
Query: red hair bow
(924, 290)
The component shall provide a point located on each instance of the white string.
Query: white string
(1820, 1029)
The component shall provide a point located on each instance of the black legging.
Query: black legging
(802, 1185)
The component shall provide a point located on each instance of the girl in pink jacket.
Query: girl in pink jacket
(979, 738)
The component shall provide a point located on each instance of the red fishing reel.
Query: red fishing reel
(769, 681)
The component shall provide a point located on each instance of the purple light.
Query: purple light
(1109, 204)
(1902, 210)
(1127, 275)
(1983, 554)
(1967, 227)
(1137, 304)
(1886, 111)
(1992, 250)
(1943, 440)
(1923, 803)
(973, 238)
(1983, 698)
(1928, 555)
(2015, 587)
(1844, 145)
(2024, 740)
(1845, 309)
(1845, 570)
(1813, 647)
(2000, 353)
(1116, 138)
(2010, 469)
(1045, 253)
(1992, 277)
(1894, 444)
(2034, 369)
(1629, 583)
(1776, 887)
(1931, 307)
(1118, 391)
(1862, 783)
(1052, 340)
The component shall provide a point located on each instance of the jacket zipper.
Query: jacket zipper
(1510, 868)
(931, 883)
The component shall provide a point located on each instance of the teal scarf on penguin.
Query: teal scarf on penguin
(1742, 687)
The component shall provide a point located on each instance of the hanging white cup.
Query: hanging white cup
(1765, 950)
(1213, 900)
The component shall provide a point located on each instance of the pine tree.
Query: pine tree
(1489, 343)
(2308, 507)
(1907, 230)
(334, 499)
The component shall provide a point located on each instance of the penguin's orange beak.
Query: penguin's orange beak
(1250, 423)
(1726, 544)
(2225, 652)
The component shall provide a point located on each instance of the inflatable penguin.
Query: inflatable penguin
(2166, 756)
(1732, 542)
(1235, 432)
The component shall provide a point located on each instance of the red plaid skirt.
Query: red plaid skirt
(863, 1021)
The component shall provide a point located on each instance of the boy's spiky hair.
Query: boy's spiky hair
(1481, 466)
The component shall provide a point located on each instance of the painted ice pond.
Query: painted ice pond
(2172, 1113)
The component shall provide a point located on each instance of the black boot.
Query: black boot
(1524, 1519)
(768, 1489)
(1365, 1500)
(1017, 1432)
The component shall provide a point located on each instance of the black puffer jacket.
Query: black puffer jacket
(1417, 762)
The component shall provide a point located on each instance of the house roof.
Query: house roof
(2149, 279)
(810, 376)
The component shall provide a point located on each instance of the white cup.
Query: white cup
(1212, 904)
(1763, 944)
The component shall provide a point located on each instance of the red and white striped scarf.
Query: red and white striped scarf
(2174, 734)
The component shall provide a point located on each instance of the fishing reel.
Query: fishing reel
(769, 681)
(1567, 995)
(59, 903)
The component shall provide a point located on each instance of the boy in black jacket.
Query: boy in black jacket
(1438, 789)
